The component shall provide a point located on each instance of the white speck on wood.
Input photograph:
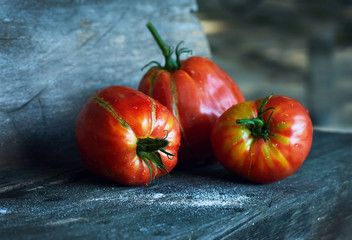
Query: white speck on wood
(64, 221)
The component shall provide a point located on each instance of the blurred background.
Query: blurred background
(302, 49)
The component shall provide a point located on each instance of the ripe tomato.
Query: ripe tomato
(197, 92)
(126, 136)
(263, 145)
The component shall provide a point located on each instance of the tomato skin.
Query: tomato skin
(108, 144)
(258, 160)
(197, 94)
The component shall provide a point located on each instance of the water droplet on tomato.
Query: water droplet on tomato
(296, 145)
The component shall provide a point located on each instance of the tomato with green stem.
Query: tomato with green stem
(127, 136)
(196, 91)
(264, 140)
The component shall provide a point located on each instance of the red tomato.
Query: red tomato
(197, 92)
(126, 136)
(264, 140)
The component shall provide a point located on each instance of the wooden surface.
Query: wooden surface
(52, 58)
(55, 54)
(204, 203)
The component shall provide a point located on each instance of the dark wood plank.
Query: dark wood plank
(204, 203)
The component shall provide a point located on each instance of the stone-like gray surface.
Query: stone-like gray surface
(55, 54)
(204, 203)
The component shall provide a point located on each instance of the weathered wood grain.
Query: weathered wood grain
(55, 54)
(204, 203)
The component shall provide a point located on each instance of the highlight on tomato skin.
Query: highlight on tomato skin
(265, 140)
(126, 136)
(196, 91)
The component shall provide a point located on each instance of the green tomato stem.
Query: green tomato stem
(148, 150)
(170, 64)
(259, 128)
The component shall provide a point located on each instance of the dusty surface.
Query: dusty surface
(205, 203)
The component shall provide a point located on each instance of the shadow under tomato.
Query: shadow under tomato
(216, 172)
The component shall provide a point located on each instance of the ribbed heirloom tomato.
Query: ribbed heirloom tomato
(197, 92)
(126, 136)
(264, 140)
